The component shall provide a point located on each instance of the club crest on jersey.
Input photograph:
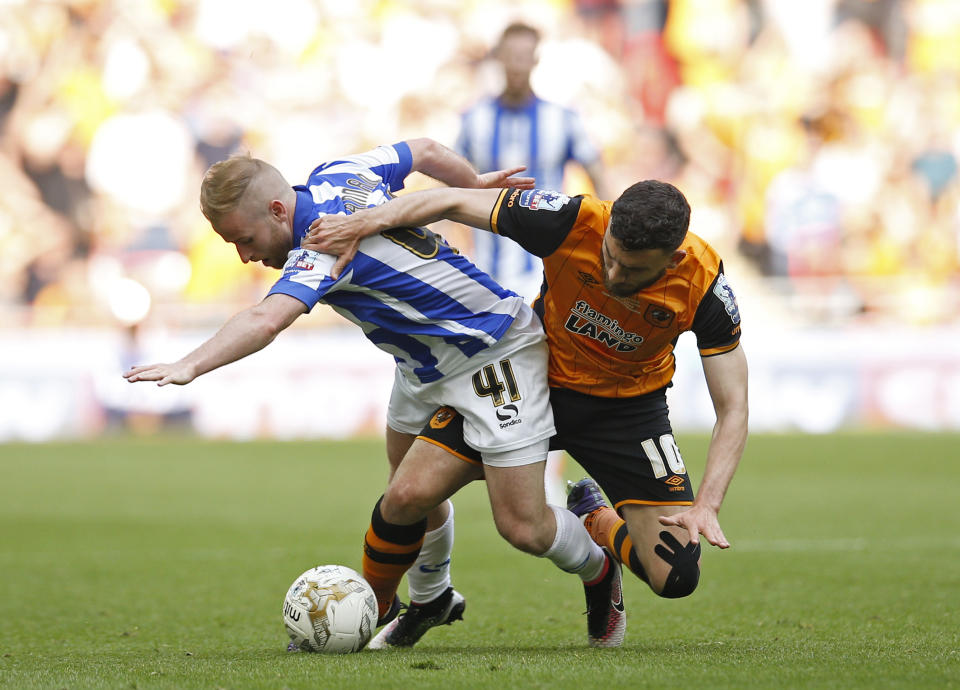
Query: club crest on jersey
(724, 292)
(658, 316)
(543, 200)
(585, 320)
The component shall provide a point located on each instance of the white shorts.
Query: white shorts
(504, 398)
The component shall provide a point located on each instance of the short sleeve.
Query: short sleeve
(306, 277)
(717, 320)
(538, 220)
(391, 164)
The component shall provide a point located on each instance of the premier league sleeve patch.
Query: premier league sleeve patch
(724, 292)
(303, 261)
(543, 200)
(306, 276)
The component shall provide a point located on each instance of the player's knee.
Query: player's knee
(684, 562)
(681, 581)
(404, 503)
(522, 535)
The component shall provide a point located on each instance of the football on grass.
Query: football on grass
(330, 609)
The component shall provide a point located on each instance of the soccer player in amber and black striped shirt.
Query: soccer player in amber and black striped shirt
(622, 281)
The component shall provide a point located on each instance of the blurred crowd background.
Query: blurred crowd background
(817, 141)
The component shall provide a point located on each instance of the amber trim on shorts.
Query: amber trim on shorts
(450, 450)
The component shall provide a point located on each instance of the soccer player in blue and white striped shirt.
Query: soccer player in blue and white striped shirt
(458, 339)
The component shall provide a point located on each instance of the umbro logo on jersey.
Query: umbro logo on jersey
(587, 279)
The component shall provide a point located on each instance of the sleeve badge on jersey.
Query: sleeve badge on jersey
(543, 200)
(304, 261)
(723, 291)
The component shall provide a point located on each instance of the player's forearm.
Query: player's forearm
(468, 206)
(245, 333)
(723, 457)
(437, 161)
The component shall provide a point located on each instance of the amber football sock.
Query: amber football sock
(608, 529)
(388, 552)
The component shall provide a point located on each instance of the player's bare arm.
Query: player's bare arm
(340, 235)
(245, 333)
(726, 377)
(437, 161)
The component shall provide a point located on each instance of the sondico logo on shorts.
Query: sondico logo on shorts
(508, 416)
(584, 320)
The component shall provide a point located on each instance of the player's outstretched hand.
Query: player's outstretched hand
(179, 374)
(698, 520)
(338, 235)
(505, 178)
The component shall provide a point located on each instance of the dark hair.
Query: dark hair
(650, 215)
(518, 28)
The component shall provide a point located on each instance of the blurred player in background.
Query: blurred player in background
(457, 338)
(623, 280)
(518, 128)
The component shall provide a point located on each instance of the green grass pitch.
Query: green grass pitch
(162, 563)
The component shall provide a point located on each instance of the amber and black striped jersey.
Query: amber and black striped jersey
(602, 345)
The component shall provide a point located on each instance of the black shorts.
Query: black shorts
(625, 444)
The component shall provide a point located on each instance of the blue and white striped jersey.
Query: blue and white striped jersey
(412, 295)
(540, 135)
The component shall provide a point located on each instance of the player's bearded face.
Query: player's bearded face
(626, 272)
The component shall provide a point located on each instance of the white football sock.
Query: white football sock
(430, 574)
(553, 483)
(573, 550)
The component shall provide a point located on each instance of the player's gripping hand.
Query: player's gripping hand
(698, 520)
(339, 236)
(163, 374)
(505, 178)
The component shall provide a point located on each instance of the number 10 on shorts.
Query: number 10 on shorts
(670, 450)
